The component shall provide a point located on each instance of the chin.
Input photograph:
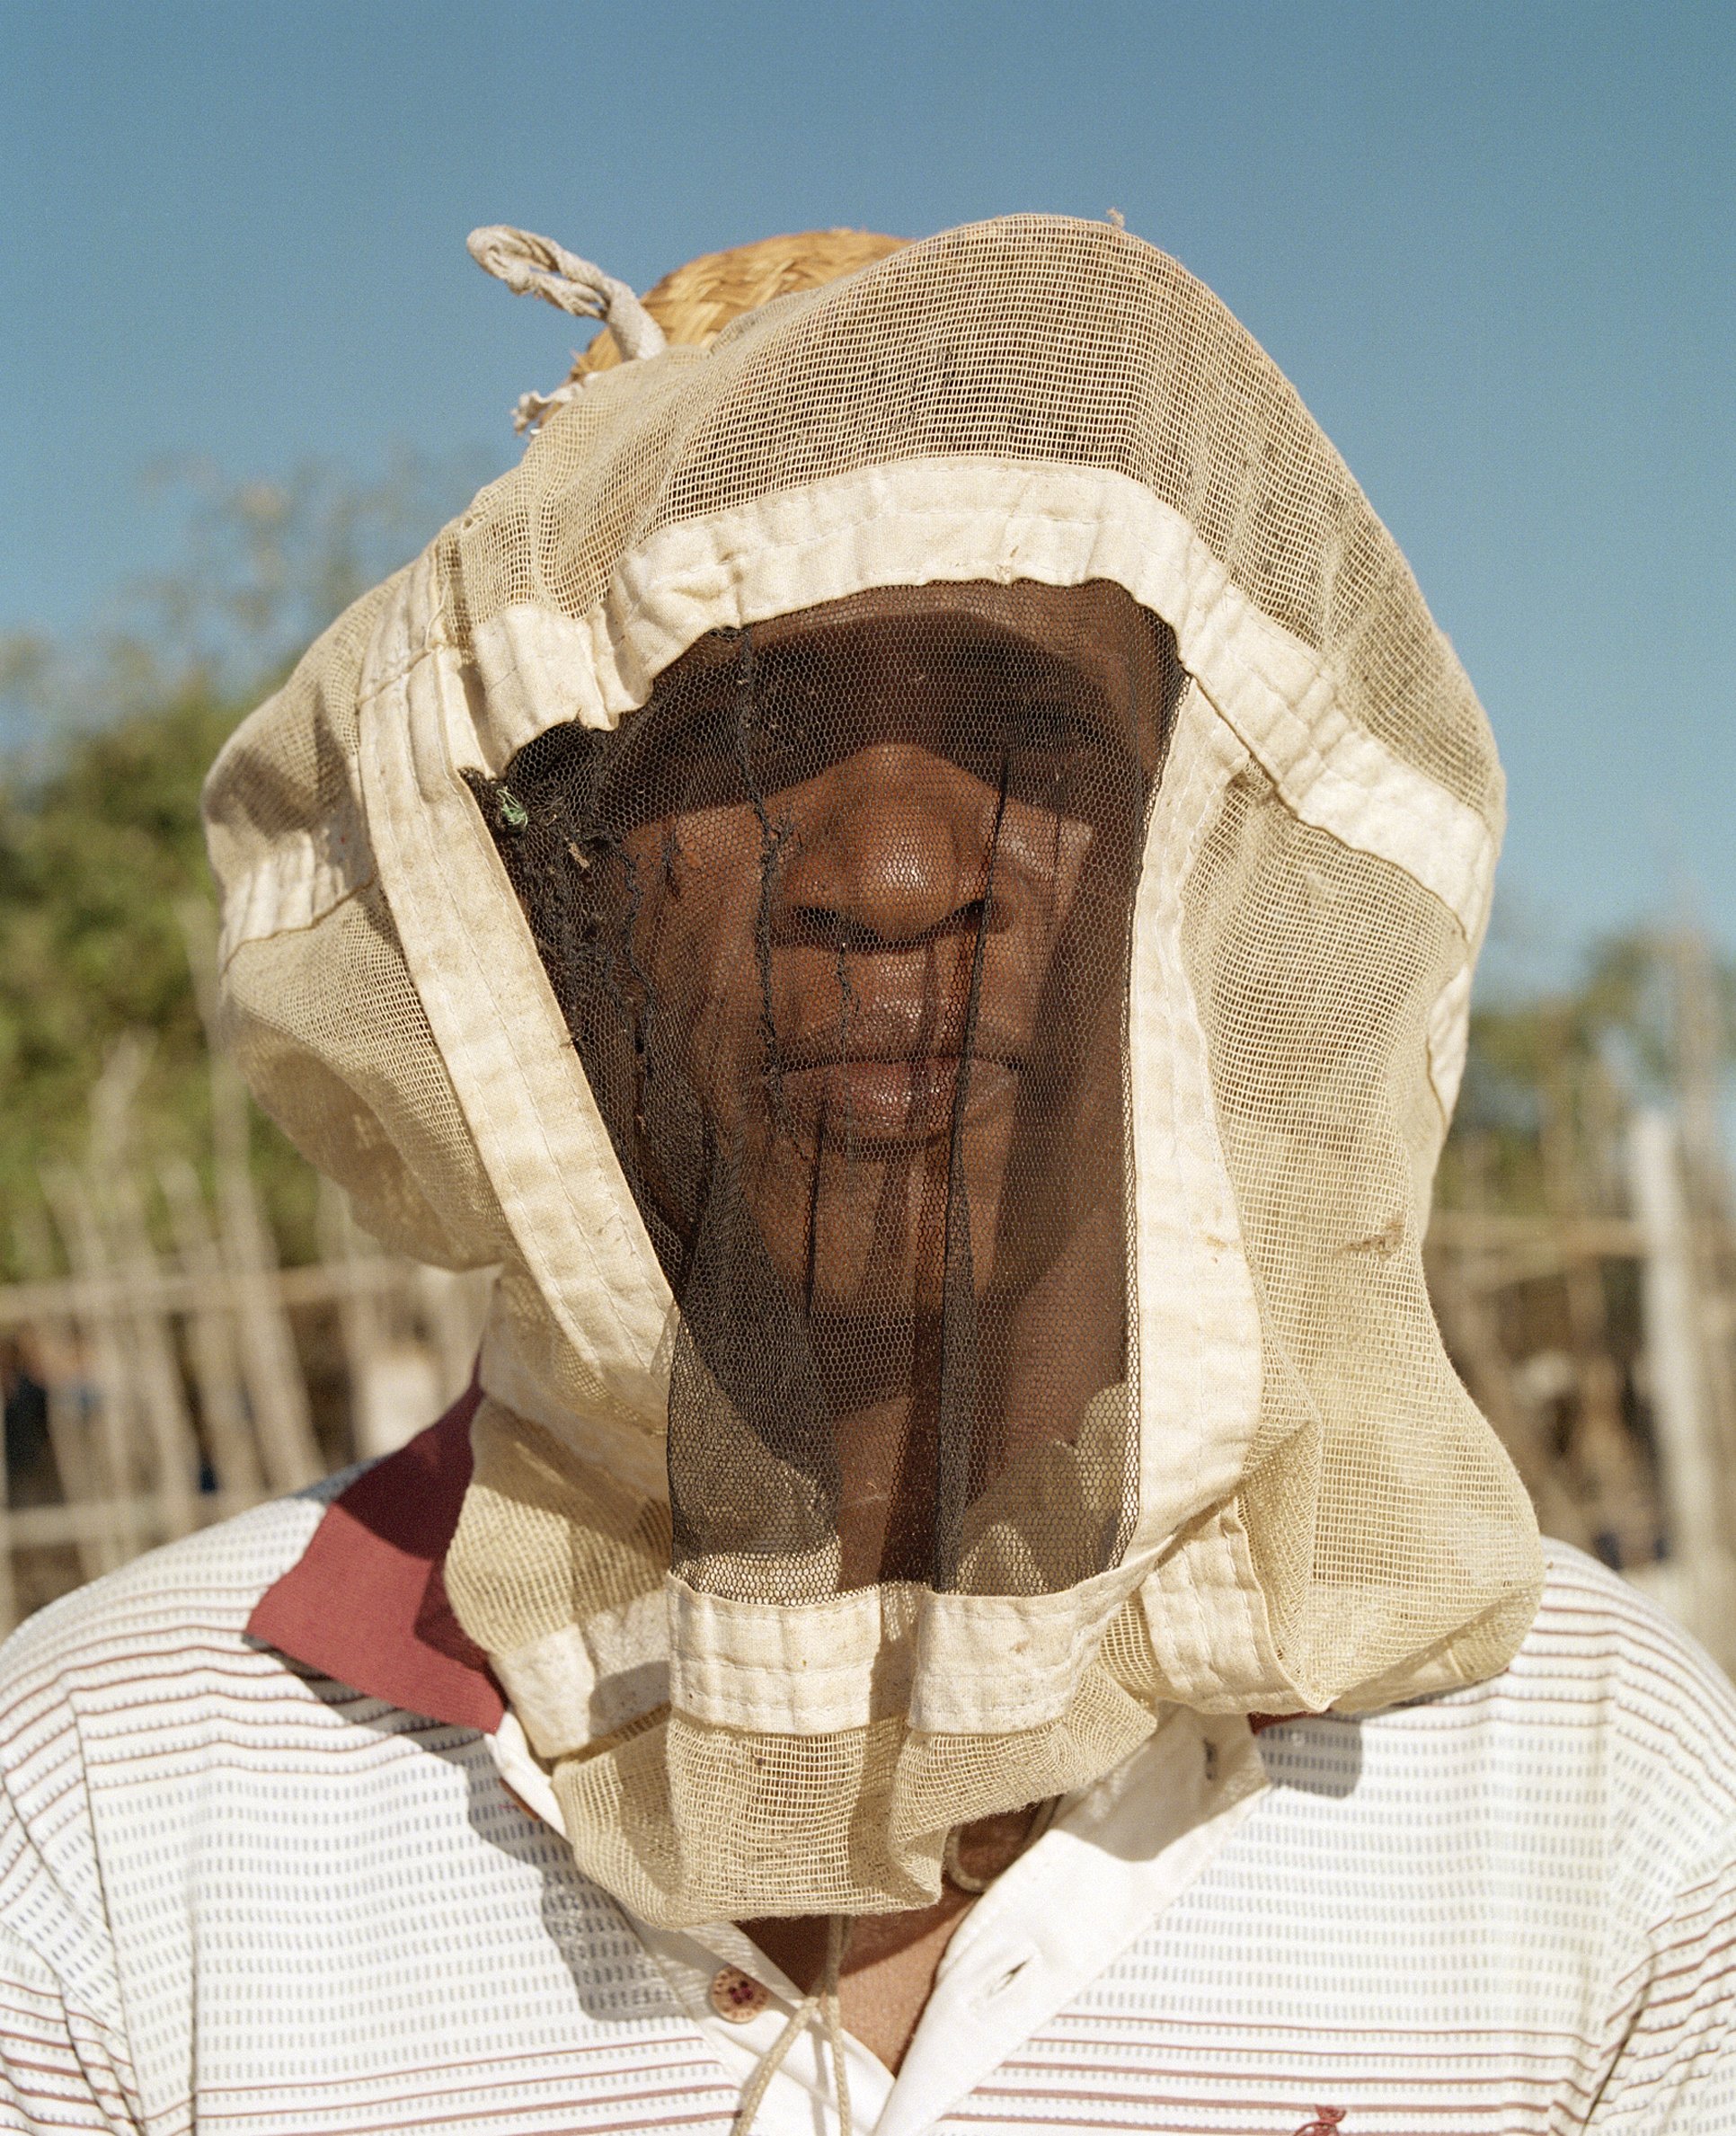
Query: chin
(878, 1256)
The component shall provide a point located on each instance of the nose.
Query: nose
(893, 852)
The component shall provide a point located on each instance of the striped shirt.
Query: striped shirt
(241, 1893)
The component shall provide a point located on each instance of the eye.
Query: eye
(790, 730)
(1052, 724)
(1050, 737)
(678, 753)
(786, 714)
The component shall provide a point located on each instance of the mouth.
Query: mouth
(895, 1102)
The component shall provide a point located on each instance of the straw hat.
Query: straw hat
(694, 303)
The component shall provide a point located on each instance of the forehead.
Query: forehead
(1095, 636)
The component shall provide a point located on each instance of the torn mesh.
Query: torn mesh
(840, 926)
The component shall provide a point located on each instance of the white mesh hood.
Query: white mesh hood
(1025, 419)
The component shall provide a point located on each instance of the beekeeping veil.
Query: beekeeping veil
(911, 877)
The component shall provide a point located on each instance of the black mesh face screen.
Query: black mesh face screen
(840, 925)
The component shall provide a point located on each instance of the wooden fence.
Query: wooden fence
(1602, 1347)
(145, 1402)
(152, 1387)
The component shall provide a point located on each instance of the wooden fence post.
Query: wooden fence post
(211, 1339)
(1693, 1482)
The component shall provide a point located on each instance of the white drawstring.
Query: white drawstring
(825, 2000)
(534, 266)
(966, 1880)
(837, 1931)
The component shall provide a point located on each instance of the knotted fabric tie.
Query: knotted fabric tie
(825, 2000)
(534, 266)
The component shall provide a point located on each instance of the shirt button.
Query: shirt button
(737, 1996)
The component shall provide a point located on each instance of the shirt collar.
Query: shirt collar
(365, 1603)
(1118, 1856)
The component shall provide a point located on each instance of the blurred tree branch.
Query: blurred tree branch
(104, 743)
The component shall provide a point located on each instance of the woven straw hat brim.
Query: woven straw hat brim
(697, 302)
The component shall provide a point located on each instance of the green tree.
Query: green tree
(1554, 1071)
(101, 847)
(97, 858)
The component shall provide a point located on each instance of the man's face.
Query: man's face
(880, 859)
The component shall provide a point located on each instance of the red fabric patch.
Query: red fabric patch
(365, 1603)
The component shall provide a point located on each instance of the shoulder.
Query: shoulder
(1610, 1741)
(148, 1645)
(1574, 1803)
(1601, 1655)
(171, 1601)
(1641, 1729)
(112, 1688)
(1605, 1751)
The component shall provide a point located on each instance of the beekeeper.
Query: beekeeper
(911, 878)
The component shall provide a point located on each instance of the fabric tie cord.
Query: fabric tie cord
(825, 2000)
(534, 266)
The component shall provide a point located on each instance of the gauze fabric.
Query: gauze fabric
(939, 1322)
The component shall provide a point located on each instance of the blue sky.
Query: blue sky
(1493, 245)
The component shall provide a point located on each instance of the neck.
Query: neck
(891, 1959)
